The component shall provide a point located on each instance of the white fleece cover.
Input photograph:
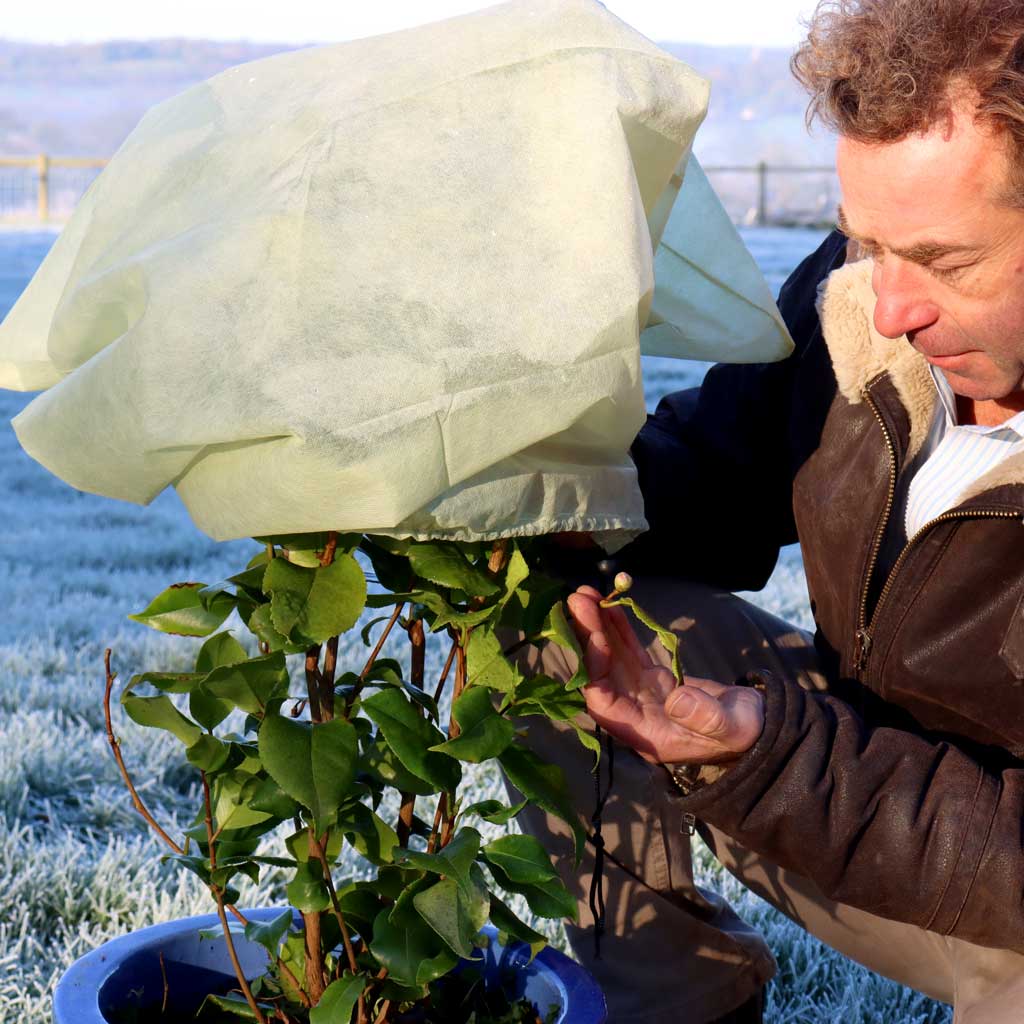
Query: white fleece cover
(392, 285)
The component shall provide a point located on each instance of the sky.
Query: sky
(740, 22)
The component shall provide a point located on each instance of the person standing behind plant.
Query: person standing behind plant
(867, 781)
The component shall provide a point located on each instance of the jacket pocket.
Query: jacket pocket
(1012, 649)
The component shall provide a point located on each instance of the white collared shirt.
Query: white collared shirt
(954, 457)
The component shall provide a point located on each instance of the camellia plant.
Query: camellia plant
(312, 768)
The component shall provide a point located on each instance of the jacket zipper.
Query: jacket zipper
(863, 636)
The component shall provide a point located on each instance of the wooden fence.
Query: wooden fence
(44, 189)
(35, 176)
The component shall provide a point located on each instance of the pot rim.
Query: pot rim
(88, 974)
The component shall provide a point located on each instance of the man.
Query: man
(870, 782)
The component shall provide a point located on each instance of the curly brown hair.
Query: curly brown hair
(879, 70)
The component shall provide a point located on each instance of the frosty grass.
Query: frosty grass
(77, 864)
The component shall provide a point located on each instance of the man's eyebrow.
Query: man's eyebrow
(920, 252)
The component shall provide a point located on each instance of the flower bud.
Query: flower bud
(623, 581)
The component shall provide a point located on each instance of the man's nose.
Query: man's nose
(902, 302)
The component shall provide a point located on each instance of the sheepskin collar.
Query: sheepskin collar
(846, 305)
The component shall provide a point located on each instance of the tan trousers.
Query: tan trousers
(674, 953)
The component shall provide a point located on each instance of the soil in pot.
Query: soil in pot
(459, 998)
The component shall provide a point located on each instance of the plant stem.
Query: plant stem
(332, 542)
(327, 678)
(405, 819)
(314, 956)
(447, 667)
(439, 814)
(460, 685)
(381, 640)
(373, 657)
(218, 895)
(313, 682)
(499, 556)
(115, 746)
(318, 848)
(417, 675)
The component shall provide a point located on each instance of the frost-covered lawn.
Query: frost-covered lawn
(77, 866)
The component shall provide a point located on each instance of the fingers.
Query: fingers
(585, 611)
(627, 636)
(590, 618)
(732, 723)
(697, 711)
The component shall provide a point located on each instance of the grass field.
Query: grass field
(77, 865)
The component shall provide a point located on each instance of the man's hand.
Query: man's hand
(640, 704)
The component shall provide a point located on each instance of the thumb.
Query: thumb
(697, 711)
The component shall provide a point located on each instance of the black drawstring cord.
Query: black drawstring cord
(597, 879)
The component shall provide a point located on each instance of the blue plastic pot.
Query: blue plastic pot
(126, 972)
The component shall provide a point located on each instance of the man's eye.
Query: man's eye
(947, 273)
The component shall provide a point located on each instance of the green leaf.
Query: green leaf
(516, 573)
(444, 563)
(180, 609)
(250, 685)
(310, 541)
(199, 866)
(487, 665)
(206, 709)
(364, 633)
(221, 649)
(269, 933)
(252, 578)
(338, 1001)
(379, 760)
(528, 608)
(307, 891)
(494, 811)
(318, 603)
(168, 682)
(412, 951)
(484, 733)
(507, 922)
(411, 737)
(293, 954)
(590, 741)
(262, 625)
(390, 567)
(668, 639)
(236, 1005)
(522, 858)
(369, 833)
(208, 753)
(272, 799)
(227, 869)
(557, 629)
(160, 713)
(360, 903)
(545, 899)
(389, 671)
(313, 764)
(230, 796)
(545, 696)
(455, 859)
(446, 615)
(543, 784)
(455, 911)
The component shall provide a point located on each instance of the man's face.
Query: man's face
(948, 250)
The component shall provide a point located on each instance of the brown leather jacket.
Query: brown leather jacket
(901, 790)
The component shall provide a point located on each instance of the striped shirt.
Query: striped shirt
(953, 457)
